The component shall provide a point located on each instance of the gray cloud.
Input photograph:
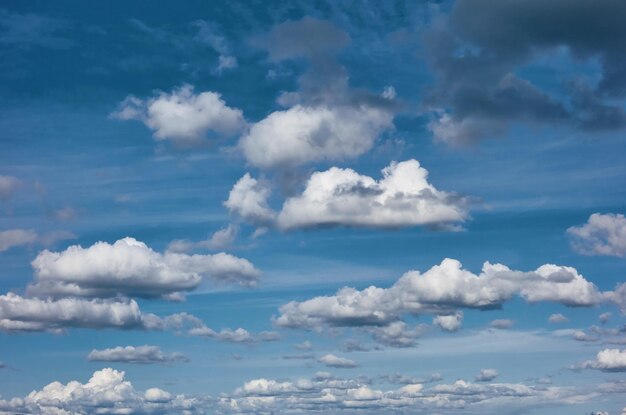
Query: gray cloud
(135, 354)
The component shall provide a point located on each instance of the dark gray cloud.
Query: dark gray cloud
(477, 51)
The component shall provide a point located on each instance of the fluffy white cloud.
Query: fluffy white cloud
(248, 200)
(342, 197)
(303, 134)
(449, 322)
(486, 375)
(129, 267)
(608, 360)
(601, 235)
(8, 185)
(441, 290)
(107, 392)
(130, 354)
(330, 360)
(183, 116)
(18, 313)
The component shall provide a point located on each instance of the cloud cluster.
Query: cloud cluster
(327, 394)
(475, 54)
(342, 197)
(603, 234)
(129, 267)
(441, 291)
(182, 116)
(106, 392)
(135, 354)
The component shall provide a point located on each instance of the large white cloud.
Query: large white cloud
(107, 392)
(303, 134)
(145, 354)
(129, 267)
(183, 116)
(18, 313)
(441, 290)
(601, 235)
(342, 197)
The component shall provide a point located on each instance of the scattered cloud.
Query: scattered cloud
(451, 322)
(486, 375)
(603, 234)
(557, 318)
(501, 324)
(607, 360)
(330, 360)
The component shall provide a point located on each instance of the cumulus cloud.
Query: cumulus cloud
(330, 360)
(441, 290)
(107, 392)
(486, 375)
(450, 322)
(304, 134)
(183, 116)
(397, 334)
(8, 185)
(608, 360)
(342, 197)
(18, 313)
(603, 234)
(129, 267)
(135, 354)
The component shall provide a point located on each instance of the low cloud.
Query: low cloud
(140, 355)
(603, 234)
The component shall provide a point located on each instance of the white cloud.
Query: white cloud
(221, 239)
(304, 134)
(129, 267)
(608, 360)
(330, 360)
(16, 237)
(441, 290)
(486, 375)
(130, 354)
(601, 235)
(8, 185)
(182, 116)
(397, 334)
(18, 313)
(107, 392)
(342, 197)
(557, 318)
(248, 200)
(449, 322)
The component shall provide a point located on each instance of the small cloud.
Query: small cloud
(557, 319)
(330, 360)
(486, 375)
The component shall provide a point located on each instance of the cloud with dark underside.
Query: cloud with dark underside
(476, 52)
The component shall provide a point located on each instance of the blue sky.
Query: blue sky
(187, 189)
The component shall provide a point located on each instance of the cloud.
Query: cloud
(476, 52)
(603, 234)
(140, 354)
(16, 237)
(557, 318)
(18, 313)
(486, 375)
(107, 392)
(129, 267)
(608, 360)
(441, 290)
(221, 239)
(8, 185)
(501, 324)
(183, 116)
(451, 322)
(304, 134)
(19, 237)
(330, 360)
(342, 197)
(397, 334)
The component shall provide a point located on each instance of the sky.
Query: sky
(336, 207)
